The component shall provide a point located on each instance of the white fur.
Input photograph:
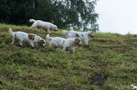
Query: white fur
(23, 37)
(134, 87)
(63, 43)
(85, 36)
(43, 25)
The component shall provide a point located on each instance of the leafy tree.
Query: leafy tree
(20, 11)
(79, 14)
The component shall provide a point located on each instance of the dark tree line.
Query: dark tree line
(79, 14)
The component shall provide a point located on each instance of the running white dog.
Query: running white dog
(31, 39)
(43, 25)
(70, 43)
(84, 36)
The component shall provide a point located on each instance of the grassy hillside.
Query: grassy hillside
(109, 62)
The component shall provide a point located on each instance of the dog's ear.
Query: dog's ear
(77, 35)
(41, 42)
(90, 34)
(31, 37)
(77, 41)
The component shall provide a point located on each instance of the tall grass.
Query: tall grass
(109, 62)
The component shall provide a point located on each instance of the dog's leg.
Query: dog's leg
(48, 31)
(13, 40)
(20, 43)
(64, 49)
(36, 45)
(86, 42)
(50, 46)
(73, 50)
(38, 29)
(31, 44)
(30, 27)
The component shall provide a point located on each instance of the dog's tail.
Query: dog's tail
(32, 20)
(48, 38)
(65, 32)
(11, 32)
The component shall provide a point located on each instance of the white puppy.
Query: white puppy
(84, 36)
(70, 43)
(134, 87)
(31, 39)
(43, 25)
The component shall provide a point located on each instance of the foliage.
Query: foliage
(20, 11)
(79, 14)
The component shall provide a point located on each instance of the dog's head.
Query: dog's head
(42, 43)
(78, 41)
(90, 34)
(55, 28)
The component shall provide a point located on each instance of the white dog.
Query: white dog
(31, 39)
(84, 36)
(43, 25)
(70, 43)
(134, 87)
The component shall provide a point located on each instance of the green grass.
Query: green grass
(112, 57)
